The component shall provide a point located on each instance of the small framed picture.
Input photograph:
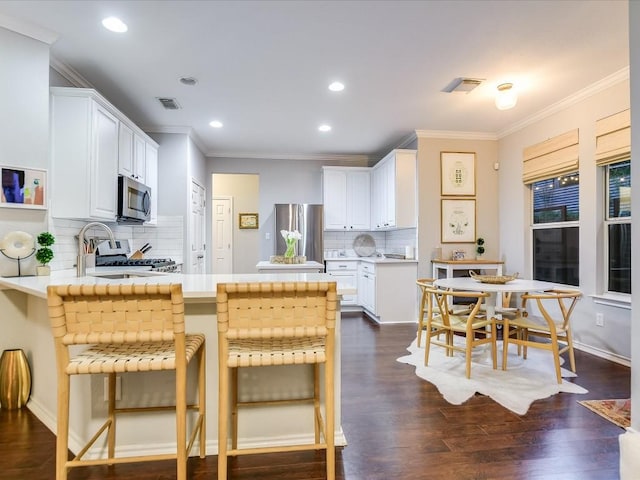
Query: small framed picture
(458, 221)
(457, 174)
(248, 220)
(23, 187)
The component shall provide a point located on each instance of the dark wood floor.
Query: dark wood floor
(398, 427)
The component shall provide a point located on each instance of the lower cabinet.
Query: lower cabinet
(346, 274)
(387, 291)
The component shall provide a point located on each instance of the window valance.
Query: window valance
(553, 157)
(613, 138)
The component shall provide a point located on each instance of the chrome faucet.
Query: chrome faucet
(81, 269)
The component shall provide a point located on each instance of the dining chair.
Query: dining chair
(124, 328)
(466, 323)
(275, 324)
(547, 330)
(426, 305)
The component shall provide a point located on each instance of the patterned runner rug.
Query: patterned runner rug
(617, 411)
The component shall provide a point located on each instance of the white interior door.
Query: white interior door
(197, 233)
(222, 229)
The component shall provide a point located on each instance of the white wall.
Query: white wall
(514, 207)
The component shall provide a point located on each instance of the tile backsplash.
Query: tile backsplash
(393, 241)
(166, 239)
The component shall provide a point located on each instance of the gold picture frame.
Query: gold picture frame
(458, 220)
(458, 174)
(248, 220)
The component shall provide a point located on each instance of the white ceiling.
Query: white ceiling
(264, 67)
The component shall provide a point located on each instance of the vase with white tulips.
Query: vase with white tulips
(291, 238)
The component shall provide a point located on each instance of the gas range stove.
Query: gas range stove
(157, 264)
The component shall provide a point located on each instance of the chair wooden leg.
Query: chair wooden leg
(62, 436)
(234, 407)
(181, 423)
(427, 345)
(494, 354)
(468, 354)
(572, 357)
(330, 420)
(202, 400)
(111, 432)
(223, 415)
(316, 402)
(505, 344)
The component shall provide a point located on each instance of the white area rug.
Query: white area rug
(517, 388)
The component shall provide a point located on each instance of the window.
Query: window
(618, 226)
(555, 231)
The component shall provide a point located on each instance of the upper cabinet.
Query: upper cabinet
(91, 142)
(346, 195)
(151, 177)
(131, 154)
(394, 191)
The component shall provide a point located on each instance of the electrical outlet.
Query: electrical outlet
(118, 388)
(599, 320)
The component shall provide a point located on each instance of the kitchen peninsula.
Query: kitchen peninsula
(25, 325)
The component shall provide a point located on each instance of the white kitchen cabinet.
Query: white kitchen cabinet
(151, 179)
(387, 290)
(84, 155)
(346, 275)
(346, 197)
(367, 287)
(131, 154)
(394, 191)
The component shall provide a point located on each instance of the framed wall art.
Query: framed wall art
(248, 220)
(457, 174)
(458, 219)
(23, 187)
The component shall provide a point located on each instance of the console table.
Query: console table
(450, 265)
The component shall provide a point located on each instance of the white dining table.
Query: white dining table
(517, 286)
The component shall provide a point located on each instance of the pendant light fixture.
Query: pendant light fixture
(506, 97)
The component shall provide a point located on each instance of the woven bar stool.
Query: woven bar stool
(275, 323)
(128, 328)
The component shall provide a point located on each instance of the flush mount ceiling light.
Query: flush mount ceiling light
(462, 84)
(324, 128)
(114, 24)
(215, 124)
(190, 81)
(506, 97)
(336, 87)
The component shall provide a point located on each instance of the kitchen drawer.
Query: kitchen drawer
(341, 266)
(369, 268)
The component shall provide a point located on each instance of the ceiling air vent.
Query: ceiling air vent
(462, 84)
(169, 103)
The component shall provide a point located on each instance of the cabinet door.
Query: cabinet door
(377, 203)
(335, 199)
(104, 165)
(139, 159)
(125, 150)
(359, 200)
(390, 192)
(151, 179)
(349, 280)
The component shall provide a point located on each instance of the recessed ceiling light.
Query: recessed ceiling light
(114, 24)
(336, 87)
(324, 128)
(216, 124)
(191, 81)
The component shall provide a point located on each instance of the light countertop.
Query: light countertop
(267, 265)
(195, 287)
(371, 259)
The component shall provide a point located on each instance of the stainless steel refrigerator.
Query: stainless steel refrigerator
(307, 219)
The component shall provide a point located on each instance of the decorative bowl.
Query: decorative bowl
(496, 279)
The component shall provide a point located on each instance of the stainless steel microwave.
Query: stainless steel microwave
(134, 201)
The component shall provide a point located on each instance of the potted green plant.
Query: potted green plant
(479, 248)
(44, 254)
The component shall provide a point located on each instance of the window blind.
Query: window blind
(613, 138)
(553, 157)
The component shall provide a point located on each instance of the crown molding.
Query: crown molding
(69, 73)
(292, 156)
(593, 89)
(28, 29)
(452, 134)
